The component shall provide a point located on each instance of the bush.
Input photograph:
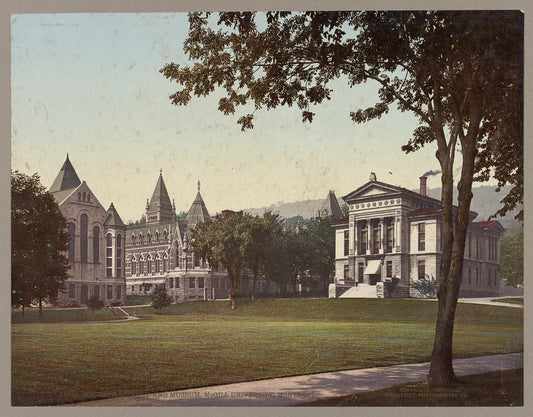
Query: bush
(70, 304)
(135, 300)
(94, 303)
(426, 286)
(160, 298)
(116, 304)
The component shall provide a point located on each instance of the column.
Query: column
(398, 234)
(382, 235)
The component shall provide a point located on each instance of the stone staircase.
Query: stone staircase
(120, 312)
(361, 291)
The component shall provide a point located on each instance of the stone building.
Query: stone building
(392, 236)
(159, 252)
(96, 242)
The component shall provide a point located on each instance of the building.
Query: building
(159, 252)
(96, 249)
(392, 236)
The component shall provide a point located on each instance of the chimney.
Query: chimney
(373, 177)
(423, 181)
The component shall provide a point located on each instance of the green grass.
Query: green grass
(493, 389)
(205, 343)
(62, 315)
(510, 300)
(133, 300)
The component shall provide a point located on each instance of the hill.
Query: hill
(486, 202)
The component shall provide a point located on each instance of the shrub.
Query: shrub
(160, 298)
(94, 303)
(116, 304)
(426, 286)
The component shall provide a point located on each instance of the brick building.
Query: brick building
(96, 242)
(392, 236)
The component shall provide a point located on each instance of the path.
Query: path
(488, 301)
(280, 392)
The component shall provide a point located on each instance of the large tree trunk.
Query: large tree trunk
(253, 285)
(441, 369)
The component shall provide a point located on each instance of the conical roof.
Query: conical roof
(160, 200)
(67, 178)
(198, 211)
(113, 219)
(330, 207)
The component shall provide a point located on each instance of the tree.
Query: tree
(223, 242)
(459, 72)
(512, 258)
(262, 249)
(160, 298)
(321, 246)
(39, 241)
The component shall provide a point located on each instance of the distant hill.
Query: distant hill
(486, 202)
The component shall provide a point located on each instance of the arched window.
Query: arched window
(157, 264)
(83, 196)
(109, 255)
(71, 228)
(141, 267)
(165, 260)
(118, 260)
(157, 237)
(79, 196)
(96, 244)
(165, 236)
(149, 265)
(133, 266)
(84, 220)
(149, 238)
(133, 240)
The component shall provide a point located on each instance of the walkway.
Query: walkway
(489, 301)
(281, 392)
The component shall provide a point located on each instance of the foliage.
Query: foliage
(426, 286)
(38, 243)
(459, 72)
(224, 242)
(94, 303)
(146, 286)
(134, 299)
(181, 216)
(160, 298)
(140, 222)
(512, 258)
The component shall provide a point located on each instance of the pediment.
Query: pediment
(371, 189)
(76, 196)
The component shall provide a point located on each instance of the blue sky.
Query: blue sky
(89, 85)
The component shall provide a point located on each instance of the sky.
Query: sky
(89, 85)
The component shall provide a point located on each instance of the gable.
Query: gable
(371, 189)
(82, 196)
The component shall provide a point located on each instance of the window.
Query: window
(157, 265)
(79, 196)
(364, 241)
(133, 267)
(97, 291)
(149, 266)
(346, 242)
(71, 291)
(119, 292)
(83, 195)
(171, 282)
(157, 237)
(421, 269)
(377, 239)
(361, 271)
(84, 220)
(477, 247)
(109, 292)
(119, 255)
(421, 237)
(165, 238)
(177, 282)
(389, 269)
(71, 241)
(200, 282)
(214, 283)
(96, 244)
(191, 282)
(196, 261)
(109, 255)
(88, 198)
(346, 272)
(149, 237)
(165, 260)
(390, 238)
(141, 267)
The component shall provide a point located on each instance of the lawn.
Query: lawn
(62, 315)
(493, 389)
(205, 343)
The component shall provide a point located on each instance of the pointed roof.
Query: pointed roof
(67, 179)
(160, 200)
(113, 219)
(198, 211)
(330, 207)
